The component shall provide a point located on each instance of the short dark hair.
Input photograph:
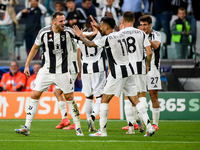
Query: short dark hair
(70, 0)
(181, 8)
(57, 13)
(146, 18)
(128, 16)
(109, 21)
(58, 2)
(85, 0)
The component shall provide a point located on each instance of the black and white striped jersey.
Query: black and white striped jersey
(92, 58)
(118, 59)
(155, 60)
(56, 47)
(74, 57)
(135, 40)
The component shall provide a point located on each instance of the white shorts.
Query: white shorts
(93, 83)
(44, 80)
(119, 85)
(153, 80)
(73, 76)
(141, 85)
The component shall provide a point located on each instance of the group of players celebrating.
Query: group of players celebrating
(133, 58)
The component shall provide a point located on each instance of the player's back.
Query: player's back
(135, 41)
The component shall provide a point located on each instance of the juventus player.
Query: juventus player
(121, 76)
(75, 55)
(93, 75)
(153, 76)
(137, 58)
(56, 41)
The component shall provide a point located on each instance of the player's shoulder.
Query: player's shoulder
(45, 29)
(69, 30)
(155, 32)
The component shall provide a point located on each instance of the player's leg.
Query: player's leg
(68, 89)
(104, 107)
(98, 83)
(42, 82)
(154, 84)
(131, 92)
(109, 91)
(63, 108)
(156, 108)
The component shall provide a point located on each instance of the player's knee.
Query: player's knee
(69, 96)
(35, 95)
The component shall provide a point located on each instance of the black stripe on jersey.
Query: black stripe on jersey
(157, 56)
(139, 67)
(75, 66)
(111, 60)
(85, 68)
(44, 50)
(63, 43)
(143, 44)
(104, 59)
(124, 71)
(95, 67)
(52, 57)
(131, 67)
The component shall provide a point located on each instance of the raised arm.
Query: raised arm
(79, 33)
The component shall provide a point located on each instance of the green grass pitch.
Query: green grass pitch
(173, 135)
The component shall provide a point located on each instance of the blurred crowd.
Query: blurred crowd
(37, 13)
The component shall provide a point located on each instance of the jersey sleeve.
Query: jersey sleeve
(157, 37)
(38, 40)
(100, 42)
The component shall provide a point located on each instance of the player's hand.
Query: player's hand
(94, 23)
(77, 31)
(121, 24)
(27, 72)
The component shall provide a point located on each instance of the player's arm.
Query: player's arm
(155, 44)
(79, 62)
(31, 55)
(79, 34)
(149, 55)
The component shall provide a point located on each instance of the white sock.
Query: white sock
(96, 107)
(73, 108)
(142, 111)
(156, 115)
(134, 114)
(31, 111)
(88, 107)
(128, 112)
(63, 109)
(143, 100)
(104, 107)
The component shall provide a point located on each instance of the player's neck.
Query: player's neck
(55, 30)
(128, 24)
(149, 31)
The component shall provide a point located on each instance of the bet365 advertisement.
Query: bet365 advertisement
(177, 106)
(173, 106)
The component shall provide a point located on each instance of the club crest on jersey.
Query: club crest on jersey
(57, 49)
(50, 35)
